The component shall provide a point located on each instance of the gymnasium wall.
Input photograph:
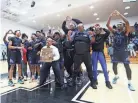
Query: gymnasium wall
(131, 20)
(6, 25)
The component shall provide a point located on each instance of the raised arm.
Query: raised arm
(64, 27)
(69, 35)
(108, 23)
(127, 26)
(4, 38)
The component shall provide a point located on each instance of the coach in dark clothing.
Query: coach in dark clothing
(81, 41)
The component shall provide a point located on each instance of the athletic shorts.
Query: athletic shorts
(15, 57)
(34, 59)
(120, 57)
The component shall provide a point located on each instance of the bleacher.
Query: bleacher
(132, 60)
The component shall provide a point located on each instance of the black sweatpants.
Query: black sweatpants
(127, 67)
(68, 61)
(86, 58)
(44, 71)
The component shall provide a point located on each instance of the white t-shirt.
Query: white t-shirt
(55, 52)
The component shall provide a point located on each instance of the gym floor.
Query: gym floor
(48, 93)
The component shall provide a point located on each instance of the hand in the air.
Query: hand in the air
(116, 13)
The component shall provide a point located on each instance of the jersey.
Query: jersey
(120, 41)
(16, 42)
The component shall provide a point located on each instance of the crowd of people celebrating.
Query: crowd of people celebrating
(69, 51)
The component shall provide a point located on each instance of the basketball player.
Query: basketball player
(32, 56)
(8, 35)
(101, 34)
(120, 52)
(15, 58)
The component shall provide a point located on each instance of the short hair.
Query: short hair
(80, 24)
(24, 35)
(49, 38)
(38, 32)
(33, 34)
(16, 31)
(56, 33)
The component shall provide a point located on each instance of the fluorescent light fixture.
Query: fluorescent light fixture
(24, 12)
(97, 18)
(95, 14)
(58, 15)
(34, 21)
(45, 13)
(91, 7)
(127, 7)
(126, 13)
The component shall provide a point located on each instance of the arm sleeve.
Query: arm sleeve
(107, 33)
(77, 21)
(64, 28)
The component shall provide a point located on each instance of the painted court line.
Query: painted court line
(26, 88)
(10, 91)
(79, 93)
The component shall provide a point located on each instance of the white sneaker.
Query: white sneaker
(31, 80)
(25, 78)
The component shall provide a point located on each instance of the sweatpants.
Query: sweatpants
(78, 59)
(99, 56)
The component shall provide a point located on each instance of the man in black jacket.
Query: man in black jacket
(101, 34)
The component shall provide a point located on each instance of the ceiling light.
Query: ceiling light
(126, 13)
(127, 7)
(95, 14)
(91, 7)
(97, 18)
(45, 13)
(24, 12)
(34, 21)
(58, 15)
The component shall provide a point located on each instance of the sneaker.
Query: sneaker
(96, 82)
(115, 80)
(25, 78)
(93, 85)
(79, 81)
(10, 83)
(131, 87)
(108, 85)
(31, 79)
(20, 81)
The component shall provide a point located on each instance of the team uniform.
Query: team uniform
(15, 57)
(120, 53)
(33, 57)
